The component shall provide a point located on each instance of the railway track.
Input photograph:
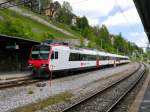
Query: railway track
(19, 82)
(14, 82)
(106, 99)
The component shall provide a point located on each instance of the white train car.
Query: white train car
(57, 57)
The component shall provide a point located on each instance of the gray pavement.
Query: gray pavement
(145, 105)
(12, 75)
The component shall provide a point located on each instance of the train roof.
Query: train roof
(85, 50)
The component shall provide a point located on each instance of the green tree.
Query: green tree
(64, 14)
(104, 38)
(82, 23)
(119, 43)
(67, 7)
(53, 8)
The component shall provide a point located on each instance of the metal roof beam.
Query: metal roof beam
(143, 8)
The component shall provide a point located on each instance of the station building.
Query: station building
(14, 53)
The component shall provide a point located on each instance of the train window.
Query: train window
(74, 57)
(40, 52)
(93, 57)
(71, 57)
(52, 56)
(81, 57)
(56, 55)
(86, 57)
(103, 57)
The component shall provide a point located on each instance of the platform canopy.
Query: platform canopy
(143, 8)
(17, 40)
(14, 53)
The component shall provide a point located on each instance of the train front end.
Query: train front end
(39, 60)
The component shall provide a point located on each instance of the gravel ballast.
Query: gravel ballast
(77, 84)
(103, 101)
(88, 90)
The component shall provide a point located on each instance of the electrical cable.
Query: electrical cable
(78, 2)
(10, 3)
(122, 12)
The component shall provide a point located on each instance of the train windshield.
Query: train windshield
(40, 52)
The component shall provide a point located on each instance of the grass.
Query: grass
(27, 28)
(30, 92)
(60, 25)
(45, 103)
(67, 28)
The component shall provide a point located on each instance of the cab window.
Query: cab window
(54, 55)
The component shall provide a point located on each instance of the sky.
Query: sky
(117, 15)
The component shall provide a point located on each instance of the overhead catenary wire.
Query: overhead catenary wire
(131, 25)
(11, 3)
(128, 1)
(78, 2)
(122, 12)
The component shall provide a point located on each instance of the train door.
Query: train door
(97, 61)
(114, 64)
(54, 60)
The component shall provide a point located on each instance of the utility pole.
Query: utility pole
(117, 51)
(39, 6)
(147, 50)
(101, 44)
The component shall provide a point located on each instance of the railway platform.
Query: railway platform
(145, 104)
(13, 75)
(142, 100)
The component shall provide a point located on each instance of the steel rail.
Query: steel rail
(100, 92)
(17, 83)
(14, 82)
(127, 91)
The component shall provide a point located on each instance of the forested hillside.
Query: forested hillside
(62, 16)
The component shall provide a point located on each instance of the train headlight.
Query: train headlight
(44, 65)
(30, 66)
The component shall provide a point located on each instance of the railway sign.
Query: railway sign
(12, 46)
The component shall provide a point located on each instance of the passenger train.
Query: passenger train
(56, 56)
